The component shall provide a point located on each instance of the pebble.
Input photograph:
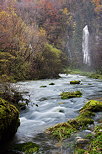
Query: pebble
(82, 141)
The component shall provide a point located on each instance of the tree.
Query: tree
(48, 63)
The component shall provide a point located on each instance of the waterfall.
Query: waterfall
(85, 46)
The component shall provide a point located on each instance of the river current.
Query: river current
(46, 108)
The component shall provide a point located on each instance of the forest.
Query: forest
(39, 41)
(40, 38)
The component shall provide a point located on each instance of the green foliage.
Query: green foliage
(48, 63)
(20, 69)
(13, 66)
(6, 60)
(89, 74)
(66, 95)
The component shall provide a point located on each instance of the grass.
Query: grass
(94, 75)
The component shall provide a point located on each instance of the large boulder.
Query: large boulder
(9, 120)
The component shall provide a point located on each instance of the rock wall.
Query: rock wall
(84, 14)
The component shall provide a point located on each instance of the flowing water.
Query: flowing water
(85, 46)
(47, 109)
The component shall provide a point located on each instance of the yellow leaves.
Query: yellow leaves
(42, 32)
(98, 8)
(3, 14)
(65, 11)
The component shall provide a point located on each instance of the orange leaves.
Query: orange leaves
(98, 5)
(98, 8)
(96, 2)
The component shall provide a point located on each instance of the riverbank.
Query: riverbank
(47, 108)
(51, 109)
(90, 74)
(92, 142)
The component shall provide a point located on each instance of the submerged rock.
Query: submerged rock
(9, 120)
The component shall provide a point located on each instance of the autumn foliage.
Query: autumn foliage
(32, 32)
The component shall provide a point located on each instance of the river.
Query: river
(46, 108)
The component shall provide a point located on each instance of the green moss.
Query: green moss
(9, 120)
(66, 95)
(28, 147)
(93, 106)
(52, 83)
(75, 82)
(79, 151)
(83, 122)
(61, 131)
(87, 114)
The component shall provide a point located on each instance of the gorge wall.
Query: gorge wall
(86, 13)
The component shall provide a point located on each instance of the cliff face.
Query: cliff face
(86, 13)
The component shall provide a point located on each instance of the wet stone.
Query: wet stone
(82, 141)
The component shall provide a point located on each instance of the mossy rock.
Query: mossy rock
(75, 82)
(27, 148)
(52, 83)
(9, 120)
(43, 86)
(85, 118)
(93, 106)
(66, 95)
(61, 131)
